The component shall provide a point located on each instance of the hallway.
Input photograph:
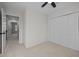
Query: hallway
(47, 49)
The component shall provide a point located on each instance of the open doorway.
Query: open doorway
(12, 26)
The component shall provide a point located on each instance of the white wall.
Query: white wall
(35, 28)
(63, 30)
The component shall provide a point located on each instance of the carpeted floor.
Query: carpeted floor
(46, 49)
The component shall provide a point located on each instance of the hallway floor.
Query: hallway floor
(47, 49)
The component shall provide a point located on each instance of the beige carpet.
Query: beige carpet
(47, 49)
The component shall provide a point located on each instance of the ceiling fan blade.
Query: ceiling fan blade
(53, 4)
(44, 4)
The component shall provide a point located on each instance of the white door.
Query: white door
(3, 30)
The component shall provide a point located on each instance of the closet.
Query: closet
(63, 30)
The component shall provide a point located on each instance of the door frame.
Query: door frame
(17, 23)
(3, 30)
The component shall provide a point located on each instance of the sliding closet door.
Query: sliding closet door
(71, 30)
(74, 24)
(57, 30)
(51, 30)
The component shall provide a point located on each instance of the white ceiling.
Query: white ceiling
(48, 9)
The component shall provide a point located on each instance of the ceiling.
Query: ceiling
(48, 9)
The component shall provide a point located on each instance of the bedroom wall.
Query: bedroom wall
(35, 28)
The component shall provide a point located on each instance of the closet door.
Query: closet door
(60, 27)
(57, 30)
(64, 30)
(75, 44)
(69, 31)
(72, 30)
(51, 30)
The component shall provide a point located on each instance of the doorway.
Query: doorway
(12, 26)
